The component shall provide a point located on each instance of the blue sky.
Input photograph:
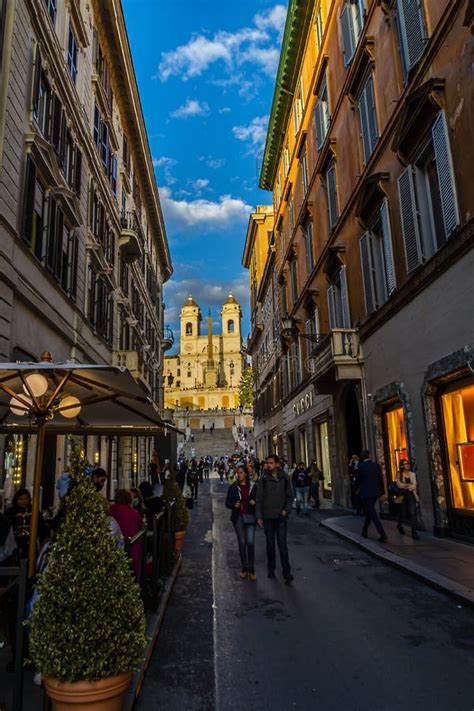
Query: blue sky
(206, 71)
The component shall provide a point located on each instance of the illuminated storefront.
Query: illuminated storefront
(457, 407)
(396, 440)
(14, 464)
(323, 459)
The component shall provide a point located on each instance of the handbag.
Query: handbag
(395, 490)
(249, 519)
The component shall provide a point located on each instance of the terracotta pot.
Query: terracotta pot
(103, 695)
(179, 540)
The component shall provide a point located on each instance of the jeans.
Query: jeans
(302, 495)
(246, 540)
(368, 507)
(315, 493)
(194, 491)
(407, 509)
(277, 528)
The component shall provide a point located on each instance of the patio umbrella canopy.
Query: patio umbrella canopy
(71, 398)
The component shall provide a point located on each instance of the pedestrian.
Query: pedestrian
(192, 480)
(316, 478)
(204, 428)
(407, 482)
(273, 506)
(130, 523)
(301, 482)
(192, 440)
(99, 477)
(241, 499)
(352, 471)
(221, 469)
(370, 487)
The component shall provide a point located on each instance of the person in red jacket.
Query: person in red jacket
(130, 523)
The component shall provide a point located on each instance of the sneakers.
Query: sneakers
(243, 574)
(252, 575)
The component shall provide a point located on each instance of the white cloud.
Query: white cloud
(254, 133)
(205, 294)
(224, 110)
(209, 215)
(165, 164)
(231, 49)
(212, 162)
(192, 107)
(200, 183)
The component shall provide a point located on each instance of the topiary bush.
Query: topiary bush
(88, 622)
(172, 491)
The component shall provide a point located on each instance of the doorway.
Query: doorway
(353, 422)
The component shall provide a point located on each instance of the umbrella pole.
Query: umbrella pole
(36, 496)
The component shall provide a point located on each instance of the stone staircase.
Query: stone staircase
(218, 444)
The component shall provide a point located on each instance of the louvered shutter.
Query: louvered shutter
(365, 258)
(388, 248)
(347, 35)
(73, 264)
(409, 219)
(331, 294)
(318, 120)
(78, 171)
(59, 236)
(51, 233)
(332, 195)
(309, 329)
(346, 318)
(316, 321)
(412, 28)
(444, 168)
(57, 123)
(371, 115)
(364, 124)
(29, 201)
(36, 80)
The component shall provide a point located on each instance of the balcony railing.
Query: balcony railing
(336, 356)
(130, 241)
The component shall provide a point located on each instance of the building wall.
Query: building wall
(102, 304)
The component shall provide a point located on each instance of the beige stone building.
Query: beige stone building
(206, 373)
(83, 247)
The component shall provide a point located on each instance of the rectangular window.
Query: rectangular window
(304, 173)
(104, 145)
(77, 183)
(367, 118)
(412, 32)
(52, 8)
(428, 202)
(97, 123)
(352, 22)
(298, 107)
(283, 299)
(278, 192)
(73, 264)
(113, 173)
(308, 238)
(294, 280)
(34, 210)
(58, 121)
(286, 161)
(319, 29)
(331, 190)
(291, 215)
(72, 54)
(42, 106)
(125, 155)
(338, 302)
(377, 261)
(322, 115)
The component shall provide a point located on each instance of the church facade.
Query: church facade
(206, 373)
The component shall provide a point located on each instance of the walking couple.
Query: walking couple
(268, 505)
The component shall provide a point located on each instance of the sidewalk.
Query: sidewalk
(442, 563)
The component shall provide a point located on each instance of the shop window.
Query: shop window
(458, 416)
(396, 438)
(321, 439)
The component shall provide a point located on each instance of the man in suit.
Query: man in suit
(369, 484)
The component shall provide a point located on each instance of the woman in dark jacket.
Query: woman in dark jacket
(241, 499)
(19, 514)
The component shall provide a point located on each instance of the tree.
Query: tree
(246, 388)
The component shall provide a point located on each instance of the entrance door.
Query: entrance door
(323, 460)
(291, 450)
(353, 422)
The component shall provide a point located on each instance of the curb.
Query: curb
(459, 592)
(153, 630)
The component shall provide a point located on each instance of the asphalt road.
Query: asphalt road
(350, 633)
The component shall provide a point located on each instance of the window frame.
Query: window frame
(333, 205)
(367, 117)
(322, 113)
(72, 54)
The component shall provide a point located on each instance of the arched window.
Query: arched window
(230, 326)
(189, 329)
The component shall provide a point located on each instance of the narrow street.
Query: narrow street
(350, 633)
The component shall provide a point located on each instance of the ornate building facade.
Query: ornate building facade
(83, 246)
(206, 373)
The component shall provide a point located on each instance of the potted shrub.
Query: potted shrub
(87, 629)
(172, 491)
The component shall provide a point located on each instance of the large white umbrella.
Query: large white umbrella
(71, 398)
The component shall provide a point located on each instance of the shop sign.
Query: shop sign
(304, 404)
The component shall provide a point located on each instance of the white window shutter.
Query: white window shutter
(347, 34)
(332, 306)
(318, 120)
(346, 318)
(316, 321)
(409, 219)
(365, 258)
(387, 248)
(444, 168)
(412, 28)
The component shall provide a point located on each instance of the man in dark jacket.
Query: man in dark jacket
(273, 506)
(369, 484)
